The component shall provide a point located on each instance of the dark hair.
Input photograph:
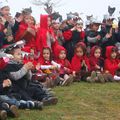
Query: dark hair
(114, 49)
(82, 46)
(47, 48)
(12, 51)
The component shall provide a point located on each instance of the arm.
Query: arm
(18, 74)
(92, 39)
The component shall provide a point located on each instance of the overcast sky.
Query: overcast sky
(87, 7)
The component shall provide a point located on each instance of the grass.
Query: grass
(81, 101)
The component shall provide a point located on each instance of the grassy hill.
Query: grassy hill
(81, 101)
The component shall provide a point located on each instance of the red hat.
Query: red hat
(59, 48)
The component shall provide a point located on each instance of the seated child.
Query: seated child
(112, 64)
(96, 65)
(80, 62)
(47, 66)
(22, 84)
(65, 66)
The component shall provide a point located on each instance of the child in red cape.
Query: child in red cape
(112, 64)
(96, 65)
(65, 66)
(80, 62)
(45, 64)
(45, 35)
(27, 32)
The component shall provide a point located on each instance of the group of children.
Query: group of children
(54, 54)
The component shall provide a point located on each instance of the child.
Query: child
(96, 65)
(47, 67)
(65, 66)
(45, 35)
(72, 37)
(112, 64)
(93, 36)
(27, 32)
(23, 85)
(80, 62)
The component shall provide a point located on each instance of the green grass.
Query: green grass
(81, 101)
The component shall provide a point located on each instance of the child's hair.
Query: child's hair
(12, 50)
(33, 20)
(82, 46)
(114, 49)
(97, 47)
(47, 48)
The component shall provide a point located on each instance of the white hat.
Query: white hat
(3, 3)
(94, 20)
(108, 17)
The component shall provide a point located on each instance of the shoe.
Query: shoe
(110, 77)
(93, 76)
(30, 104)
(68, 81)
(101, 78)
(38, 105)
(14, 110)
(3, 115)
(50, 101)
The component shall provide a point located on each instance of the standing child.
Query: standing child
(80, 62)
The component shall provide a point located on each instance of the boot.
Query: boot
(12, 110)
(50, 101)
(3, 115)
(100, 78)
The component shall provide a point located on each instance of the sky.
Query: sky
(96, 7)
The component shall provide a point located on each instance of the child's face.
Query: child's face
(17, 55)
(95, 27)
(27, 19)
(5, 11)
(56, 26)
(113, 55)
(62, 55)
(46, 54)
(79, 52)
(97, 53)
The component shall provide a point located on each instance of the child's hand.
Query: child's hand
(29, 65)
(97, 67)
(7, 83)
(53, 67)
(108, 35)
(38, 66)
(83, 63)
(74, 73)
(119, 65)
(98, 37)
(73, 29)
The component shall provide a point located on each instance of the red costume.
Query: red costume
(76, 60)
(95, 61)
(23, 34)
(66, 67)
(43, 34)
(111, 65)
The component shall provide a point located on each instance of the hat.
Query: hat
(27, 11)
(3, 3)
(108, 17)
(95, 21)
